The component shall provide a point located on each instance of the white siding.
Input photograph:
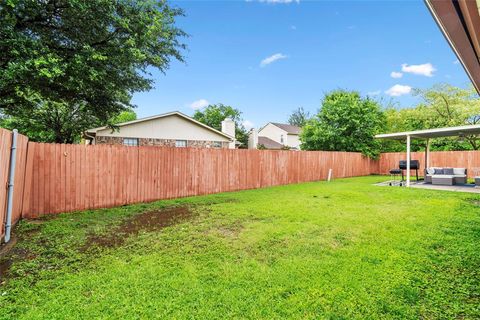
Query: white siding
(273, 132)
(293, 141)
(170, 127)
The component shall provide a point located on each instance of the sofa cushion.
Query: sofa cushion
(448, 171)
(459, 171)
(438, 170)
(431, 171)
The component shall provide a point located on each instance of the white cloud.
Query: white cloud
(248, 124)
(398, 90)
(199, 104)
(425, 69)
(456, 62)
(374, 93)
(272, 58)
(396, 75)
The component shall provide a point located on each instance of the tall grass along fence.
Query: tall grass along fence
(53, 178)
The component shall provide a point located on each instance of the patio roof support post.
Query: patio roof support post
(427, 155)
(408, 161)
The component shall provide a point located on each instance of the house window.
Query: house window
(180, 143)
(133, 142)
(217, 144)
(281, 139)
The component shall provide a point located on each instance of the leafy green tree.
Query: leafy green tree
(66, 65)
(345, 122)
(442, 105)
(401, 120)
(214, 114)
(299, 117)
(124, 116)
(451, 106)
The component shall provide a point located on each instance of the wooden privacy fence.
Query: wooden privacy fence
(455, 159)
(52, 178)
(62, 178)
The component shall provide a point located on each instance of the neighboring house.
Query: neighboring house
(173, 129)
(275, 136)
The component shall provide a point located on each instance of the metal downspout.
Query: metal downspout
(11, 179)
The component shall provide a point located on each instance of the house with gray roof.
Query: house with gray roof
(275, 136)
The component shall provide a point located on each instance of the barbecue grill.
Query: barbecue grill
(414, 165)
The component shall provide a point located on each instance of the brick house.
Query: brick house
(173, 129)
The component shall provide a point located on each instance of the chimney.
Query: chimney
(253, 139)
(228, 127)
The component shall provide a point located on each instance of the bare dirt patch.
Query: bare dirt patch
(10, 254)
(145, 222)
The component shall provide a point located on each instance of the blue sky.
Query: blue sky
(267, 58)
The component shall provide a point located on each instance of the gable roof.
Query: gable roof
(163, 115)
(287, 127)
(269, 143)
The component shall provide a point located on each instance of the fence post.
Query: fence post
(11, 179)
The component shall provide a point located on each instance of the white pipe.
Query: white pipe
(11, 179)
(329, 175)
(408, 161)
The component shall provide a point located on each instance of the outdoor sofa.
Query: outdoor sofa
(446, 176)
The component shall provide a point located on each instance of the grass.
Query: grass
(339, 250)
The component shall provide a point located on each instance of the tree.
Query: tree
(67, 65)
(214, 114)
(124, 116)
(345, 122)
(442, 105)
(299, 117)
(451, 106)
(401, 120)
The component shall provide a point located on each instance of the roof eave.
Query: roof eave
(450, 23)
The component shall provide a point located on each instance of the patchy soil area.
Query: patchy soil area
(34, 251)
(145, 222)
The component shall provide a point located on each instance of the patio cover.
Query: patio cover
(460, 131)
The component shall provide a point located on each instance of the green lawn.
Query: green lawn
(339, 250)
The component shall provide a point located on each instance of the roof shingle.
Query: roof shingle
(269, 143)
(288, 127)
